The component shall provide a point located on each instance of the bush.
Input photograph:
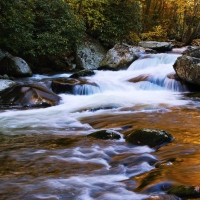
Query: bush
(39, 28)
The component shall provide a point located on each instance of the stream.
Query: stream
(45, 152)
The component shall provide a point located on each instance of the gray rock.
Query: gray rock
(6, 84)
(120, 56)
(188, 69)
(14, 66)
(160, 46)
(89, 54)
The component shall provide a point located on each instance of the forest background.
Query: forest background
(36, 29)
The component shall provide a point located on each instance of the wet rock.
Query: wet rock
(6, 84)
(173, 76)
(158, 46)
(89, 54)
(151, 137)
(82, 73)
(194, 96)
(133, 161)
(14, 66)
(185, 191)
(167, 162)
(158, 187)
(105, 134)
(68, 85)
(120, 57)
(163, 197)
(142, 77)
(188, 69)
(29, 95)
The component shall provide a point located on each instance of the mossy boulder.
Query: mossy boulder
(105, 134)
(151, 137)
(28, 95)
(185, 191)
(82, 73)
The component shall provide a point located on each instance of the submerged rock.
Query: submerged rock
(185, 191)
(105, 134)
(14, 66)
(142, 77)
(82, 73)
(6, 84)
(163, 197)
(151, 137)
(29, 95)
(120, 57)
(69, 85)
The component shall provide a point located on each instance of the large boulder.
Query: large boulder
(158, 46)
(29, 95)
(151, 137)
(6, 84)
(120, 57)
(73, 86)
(14, 66)
(188, 69)
(89, 54)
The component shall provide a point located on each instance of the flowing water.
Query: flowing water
(45, 154)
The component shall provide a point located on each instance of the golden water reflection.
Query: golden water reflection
(182, 123)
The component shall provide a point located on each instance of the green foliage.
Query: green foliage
(109, 20)
(158, 34)
(39, 28)
(122, 18)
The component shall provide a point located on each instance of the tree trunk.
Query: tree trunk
(193, 35)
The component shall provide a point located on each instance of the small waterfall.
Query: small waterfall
(153, 60)
(85, 89)
(160, 82)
